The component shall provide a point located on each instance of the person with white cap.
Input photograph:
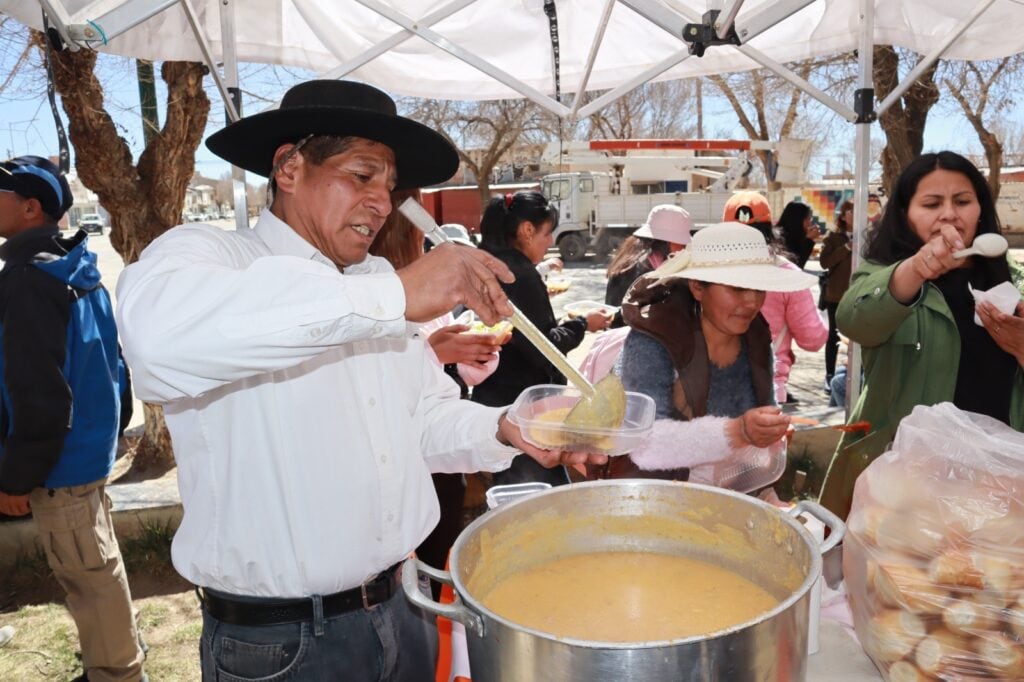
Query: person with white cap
(700, 348)
(305, 421)
(666, 231)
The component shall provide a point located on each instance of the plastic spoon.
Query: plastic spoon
(989, 245)
(602, 406)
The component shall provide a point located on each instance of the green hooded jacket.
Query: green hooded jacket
(910, 354)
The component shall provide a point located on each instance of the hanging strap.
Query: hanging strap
(64, 153)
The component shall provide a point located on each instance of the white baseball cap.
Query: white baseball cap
(667, 222)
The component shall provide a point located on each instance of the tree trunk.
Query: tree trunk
(904, 121)
(143, 200)
(154, 454)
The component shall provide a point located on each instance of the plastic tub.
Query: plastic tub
(538, 400)
(581, 308)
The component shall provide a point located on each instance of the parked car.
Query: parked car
(91, 223)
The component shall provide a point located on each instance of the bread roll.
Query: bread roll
(1000, 574)
(903, 671)
(893, 634)
(908, 587)
(943, 653)
(957, 569)
(1002, 655)
(1015, 618)
(970, 615)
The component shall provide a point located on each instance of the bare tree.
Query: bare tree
(983, 90)
(905, 120)
(659, 110)
(144, 199)
(484, 133)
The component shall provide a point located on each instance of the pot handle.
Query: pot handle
(837, 529)
(457, 610)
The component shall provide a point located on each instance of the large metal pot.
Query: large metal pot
(738, 532)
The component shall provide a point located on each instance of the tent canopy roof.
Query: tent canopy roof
(513, 36)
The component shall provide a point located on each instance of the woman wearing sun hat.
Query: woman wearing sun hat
(700, 348)
(666, 231)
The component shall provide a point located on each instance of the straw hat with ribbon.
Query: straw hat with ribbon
(733, 254)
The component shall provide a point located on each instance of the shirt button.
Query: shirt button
(372, 402)
(878, 290)
(379, 310)
(391, 517)
(383, 459)
(376, 329)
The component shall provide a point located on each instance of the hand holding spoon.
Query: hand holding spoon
(989, 245)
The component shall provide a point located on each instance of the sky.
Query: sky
(27, 126)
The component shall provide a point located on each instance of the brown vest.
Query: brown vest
(669, 314)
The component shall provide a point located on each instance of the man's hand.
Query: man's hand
(452, 346)
(509, 434)
(14, 505)
(451, 274)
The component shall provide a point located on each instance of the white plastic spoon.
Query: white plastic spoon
(989, 245)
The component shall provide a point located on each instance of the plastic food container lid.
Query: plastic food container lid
(581, 308)
(529, 409)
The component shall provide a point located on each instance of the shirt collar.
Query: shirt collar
(29, 236)
(282, 240)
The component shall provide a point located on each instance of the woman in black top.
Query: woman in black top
(798, 231)
(517, 229)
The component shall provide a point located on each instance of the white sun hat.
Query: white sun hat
(734, 254)
(667, 222)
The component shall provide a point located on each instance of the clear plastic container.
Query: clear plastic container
(581, 308)
(535, 401)
(749, 469)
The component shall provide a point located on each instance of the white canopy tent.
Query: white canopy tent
(488, 49)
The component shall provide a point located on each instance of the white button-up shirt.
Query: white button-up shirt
(305, 417)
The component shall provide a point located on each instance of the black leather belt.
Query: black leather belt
(228, 609)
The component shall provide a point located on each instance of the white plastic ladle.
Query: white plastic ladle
(989, 245)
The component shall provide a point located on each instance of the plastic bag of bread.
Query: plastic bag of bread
(934, 551)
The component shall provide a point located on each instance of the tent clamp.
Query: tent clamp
(701, 36)
(864, 105)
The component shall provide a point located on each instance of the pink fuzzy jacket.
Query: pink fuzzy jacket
(792, 317)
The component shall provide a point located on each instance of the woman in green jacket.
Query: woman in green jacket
(910, 308)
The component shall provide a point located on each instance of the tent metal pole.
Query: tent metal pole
(61, 22)
(801, 83)
(592, 57)
(121, 19)
(934, 55)
(439, 41)
(227, 37)
(204, 46)
(724, 24)
(634, 82)
(393, 41)
(769, 16)
(862, 149)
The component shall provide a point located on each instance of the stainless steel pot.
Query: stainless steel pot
(758, 541)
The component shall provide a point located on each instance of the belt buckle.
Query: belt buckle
(366, 602)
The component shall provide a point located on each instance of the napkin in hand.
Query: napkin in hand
(1004, 297)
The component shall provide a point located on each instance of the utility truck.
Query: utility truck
(598, 209)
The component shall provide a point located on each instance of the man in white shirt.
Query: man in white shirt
(305, 419)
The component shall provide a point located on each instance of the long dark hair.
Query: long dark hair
(841, 225)
(791, 226)
(503, 215)
(634, 250)
(893, 239)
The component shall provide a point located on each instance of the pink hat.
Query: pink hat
(667, 222)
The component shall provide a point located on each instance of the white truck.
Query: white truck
(592, 216)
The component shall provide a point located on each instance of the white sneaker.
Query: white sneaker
(6, 634)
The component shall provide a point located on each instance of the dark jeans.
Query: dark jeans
(526, 469)
(393, 641)
(832, 345)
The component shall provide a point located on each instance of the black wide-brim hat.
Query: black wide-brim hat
(342, 108)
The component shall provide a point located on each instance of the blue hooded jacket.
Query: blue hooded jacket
(62, 373)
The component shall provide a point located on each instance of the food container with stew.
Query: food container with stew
(540, 413)
(633, 579)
